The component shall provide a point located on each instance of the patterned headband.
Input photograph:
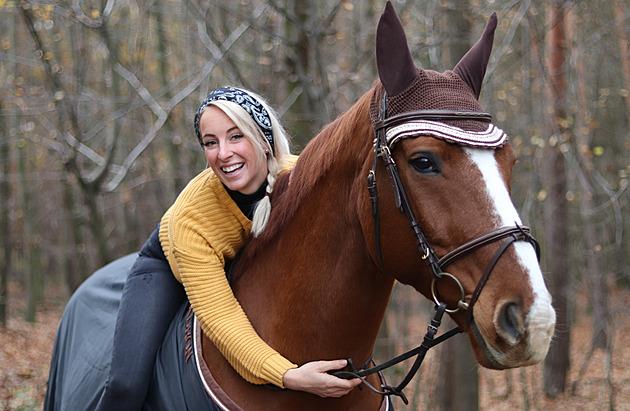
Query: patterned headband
(253, 107)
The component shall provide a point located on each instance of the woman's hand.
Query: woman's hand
(313, 378)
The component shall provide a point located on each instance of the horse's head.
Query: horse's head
(455, 168)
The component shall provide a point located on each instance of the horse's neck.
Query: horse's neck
(314, 292)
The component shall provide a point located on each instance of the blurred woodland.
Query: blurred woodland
(97, 99)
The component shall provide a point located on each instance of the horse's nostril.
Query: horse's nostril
(510, 323)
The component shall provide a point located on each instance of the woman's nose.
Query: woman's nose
(224, 152)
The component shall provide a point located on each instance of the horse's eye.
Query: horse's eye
(425, 164)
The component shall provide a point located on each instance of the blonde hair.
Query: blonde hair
(274, 155)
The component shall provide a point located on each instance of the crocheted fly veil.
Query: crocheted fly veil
(410, 88)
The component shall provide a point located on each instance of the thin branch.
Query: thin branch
(613, 198)
(507, 39)
(137, 85)
(84, 19)
(163, 113)
(66, 109)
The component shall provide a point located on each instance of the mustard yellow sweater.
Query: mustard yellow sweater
(201, 230)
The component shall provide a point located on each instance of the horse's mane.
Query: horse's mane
(340, 140)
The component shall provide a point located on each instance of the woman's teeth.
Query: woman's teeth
(230, 169)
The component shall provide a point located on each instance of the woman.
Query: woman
(246, 149)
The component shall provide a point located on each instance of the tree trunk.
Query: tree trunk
(624, 49)
(173, 140)
(458, 373)
(309, 109)
(76, 267)
(31, 237)
(623, 42)
(97, 225)
(556, 211)
(458, 20)
(595, 276)
(5, 233)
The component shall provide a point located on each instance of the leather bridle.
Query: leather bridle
(508, 236)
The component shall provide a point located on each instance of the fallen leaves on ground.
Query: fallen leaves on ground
(25, 351)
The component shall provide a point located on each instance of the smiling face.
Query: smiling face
(230, 154)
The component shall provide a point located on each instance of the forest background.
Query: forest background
(96, 140)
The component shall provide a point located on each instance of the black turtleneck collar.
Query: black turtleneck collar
(247, 202)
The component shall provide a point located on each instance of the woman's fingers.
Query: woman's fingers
(313, 377)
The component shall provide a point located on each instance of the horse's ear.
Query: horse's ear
(472, 67)
(396, 68)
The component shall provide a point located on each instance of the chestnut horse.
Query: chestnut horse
(316, 283)
(312, 285)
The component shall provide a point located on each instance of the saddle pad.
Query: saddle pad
(176, 384)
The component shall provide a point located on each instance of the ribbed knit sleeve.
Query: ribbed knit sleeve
(202, 229)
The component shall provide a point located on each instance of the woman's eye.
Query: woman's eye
(237, 136)
(425, 164)
(209, 144)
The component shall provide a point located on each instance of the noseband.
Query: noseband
(507, 235)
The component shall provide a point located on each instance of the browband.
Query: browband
(492, 137)
(430, 123)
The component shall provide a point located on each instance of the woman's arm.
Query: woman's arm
(223, 320)
(227, 325)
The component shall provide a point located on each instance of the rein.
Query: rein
(508, 235)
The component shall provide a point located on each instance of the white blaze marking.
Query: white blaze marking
(541, 316)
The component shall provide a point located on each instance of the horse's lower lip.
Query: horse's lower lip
(490, 360)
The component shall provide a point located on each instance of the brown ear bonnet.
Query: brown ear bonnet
(411, 88)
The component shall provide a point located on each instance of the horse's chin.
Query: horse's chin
(484, 353)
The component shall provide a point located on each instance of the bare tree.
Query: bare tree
(594, 276)
(458, 368)
(7, 132)
(5, 232)
(623, 41)
(556, 212)
(307, 27)
(68, 120)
